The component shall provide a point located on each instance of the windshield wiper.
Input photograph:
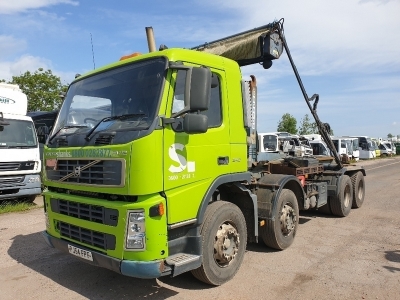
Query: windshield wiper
(65, 127)
(106, 119)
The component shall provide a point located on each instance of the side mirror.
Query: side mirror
(195, 123)
(197, 92)
(199, 89)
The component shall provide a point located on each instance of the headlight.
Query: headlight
(135, 231)
(34, 179)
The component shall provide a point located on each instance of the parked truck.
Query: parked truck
(20, 164)
(170, 181)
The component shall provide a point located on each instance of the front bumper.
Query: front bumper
(30, 186)
(137, 269)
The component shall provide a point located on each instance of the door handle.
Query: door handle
(223, 160)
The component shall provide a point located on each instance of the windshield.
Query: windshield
(133, 89)
(388, 145)
(355, 144)
(270, 142)
(370, 146)
(349, 145)
(19, 133)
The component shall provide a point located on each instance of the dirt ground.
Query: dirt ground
(357, 257)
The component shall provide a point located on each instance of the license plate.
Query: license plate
(80, 252)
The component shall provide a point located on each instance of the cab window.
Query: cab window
(214, 113)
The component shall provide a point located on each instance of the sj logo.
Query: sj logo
(176, 153)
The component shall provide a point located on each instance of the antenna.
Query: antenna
(91, 41)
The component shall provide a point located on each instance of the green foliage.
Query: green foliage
(288, 123)
(42, 88)
(307, 127)
(8, 206)
(390, 136)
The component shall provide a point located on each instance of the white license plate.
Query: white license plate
(80, 253)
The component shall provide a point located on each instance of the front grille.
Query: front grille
(10, 166)
(8, 192)
(16, 166)
(89, 172)
(88, 212)
(87, 236)
(11, 180)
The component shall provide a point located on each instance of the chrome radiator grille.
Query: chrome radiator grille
(88, 172)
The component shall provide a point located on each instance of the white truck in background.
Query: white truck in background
(20, 163)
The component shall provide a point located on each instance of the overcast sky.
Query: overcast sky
(347, 51)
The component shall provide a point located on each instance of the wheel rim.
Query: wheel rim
(346, 200)
(226, 244)
(288, 220)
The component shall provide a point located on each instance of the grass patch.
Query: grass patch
(8, 206)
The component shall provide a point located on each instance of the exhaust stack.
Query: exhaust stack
(150, 39)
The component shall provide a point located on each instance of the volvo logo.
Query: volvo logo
(77, 171)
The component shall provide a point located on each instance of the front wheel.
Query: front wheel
(29, 199)
(224, 242)
(280, 229)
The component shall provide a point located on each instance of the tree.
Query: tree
(42, 88)
(307, 127)
(390, 136)
(287, 123)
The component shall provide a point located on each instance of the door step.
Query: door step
(183, 262)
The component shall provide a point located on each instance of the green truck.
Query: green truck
(151, 167)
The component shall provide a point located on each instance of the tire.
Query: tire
(325, 209)
(358, 183)
(279, 233)
(28, 199)
(341, 203)
(224, 239)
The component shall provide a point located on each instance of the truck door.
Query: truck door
(193, 161)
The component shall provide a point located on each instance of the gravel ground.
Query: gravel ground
(357, 257)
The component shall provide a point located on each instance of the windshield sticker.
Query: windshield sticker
(107, 152)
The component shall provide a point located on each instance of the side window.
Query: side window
(179, 92)
(214, 113)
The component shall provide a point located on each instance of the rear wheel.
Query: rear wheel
(341, 203)
(224, 235)
(358, 183)
(279, 233)
(325, 209)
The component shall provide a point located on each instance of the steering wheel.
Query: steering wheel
(90, 122)
(89, 119)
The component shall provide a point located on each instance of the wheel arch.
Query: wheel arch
(230, 188)
(270, 188)
(351, 171)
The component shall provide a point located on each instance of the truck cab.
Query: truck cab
(20, 163)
